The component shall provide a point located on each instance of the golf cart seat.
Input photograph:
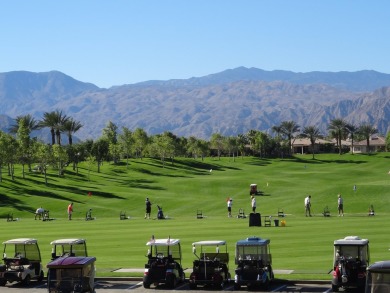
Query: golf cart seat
(222, 257)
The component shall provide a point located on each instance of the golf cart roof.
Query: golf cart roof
(253, 184)
(71, 262)
(70, 241)
(210, 242)
(351, 240)
(251, 241)
(380, 267)
(163, 242)
(21, 241)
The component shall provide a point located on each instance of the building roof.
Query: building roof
(306, 142)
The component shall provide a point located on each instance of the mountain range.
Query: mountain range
(231, 102)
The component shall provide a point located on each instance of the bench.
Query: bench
(199, 214)
(241, 214)
(267, 221)
(122, 216)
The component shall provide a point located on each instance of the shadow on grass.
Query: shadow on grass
(317, 161)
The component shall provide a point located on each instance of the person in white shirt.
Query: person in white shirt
(340, 205)
(229, 207)
(39, 213)
(308, 205)
(253, 203)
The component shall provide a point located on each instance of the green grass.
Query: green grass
(305, 245)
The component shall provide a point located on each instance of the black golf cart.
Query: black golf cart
(350, 261)
(378, 277)
(22, 262)
(164, 263)
(210, 268)
(254, 263)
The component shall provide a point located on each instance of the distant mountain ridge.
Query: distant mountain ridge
(230, 102)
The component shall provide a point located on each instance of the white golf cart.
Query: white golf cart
(22, 262)
(68, 247)
(211, 267)
(164, 263)
(350, 260)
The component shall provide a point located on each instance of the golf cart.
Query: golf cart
(68, 247)
(253, 189)
(351, 258)
(210, 268)
(22, 261)
(254, 263)
(378, 277)
(71, 274)
(164, 263)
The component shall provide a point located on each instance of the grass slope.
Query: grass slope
(305, 245)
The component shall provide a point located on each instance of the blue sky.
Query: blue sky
(127, 41)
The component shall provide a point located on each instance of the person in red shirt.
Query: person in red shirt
(70, 211)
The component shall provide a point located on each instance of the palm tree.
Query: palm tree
(49, 120)
(366, 130)
(29, 122)
(71, 126)
(352, 129)
(288, 128)
(338, 126)
(312, 132)
(55, 120)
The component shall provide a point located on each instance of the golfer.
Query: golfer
(39, 212)
(340, 205)
(70, 211)
(253, 204)
(229, 207)
(308, 205)
(148, 208)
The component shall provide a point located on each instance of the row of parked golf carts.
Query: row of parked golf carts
(253, 261)
(70, 269)
(211, 264)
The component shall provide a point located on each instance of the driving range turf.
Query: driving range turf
(304, 245)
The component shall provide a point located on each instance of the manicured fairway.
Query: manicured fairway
(305, 245)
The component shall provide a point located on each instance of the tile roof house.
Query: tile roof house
(303, 146)
(376, 144)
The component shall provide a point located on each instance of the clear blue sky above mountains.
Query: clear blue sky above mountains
(127, 41)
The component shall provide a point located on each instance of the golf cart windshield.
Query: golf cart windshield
(165, 248)
(22, 248)
(70, 247)
(253, 249)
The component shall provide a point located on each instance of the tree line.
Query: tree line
(18, 147)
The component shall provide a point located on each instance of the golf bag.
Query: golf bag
(160, 215)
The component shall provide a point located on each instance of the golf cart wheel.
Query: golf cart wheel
(218, 281)
(3, 282)
(193, 286)
(27, 280)
(146, 285)
(171, 281)
(41, 277)
(237, 286)
(335, 288)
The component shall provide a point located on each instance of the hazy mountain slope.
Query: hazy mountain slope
(364, 80)
(230, 102)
